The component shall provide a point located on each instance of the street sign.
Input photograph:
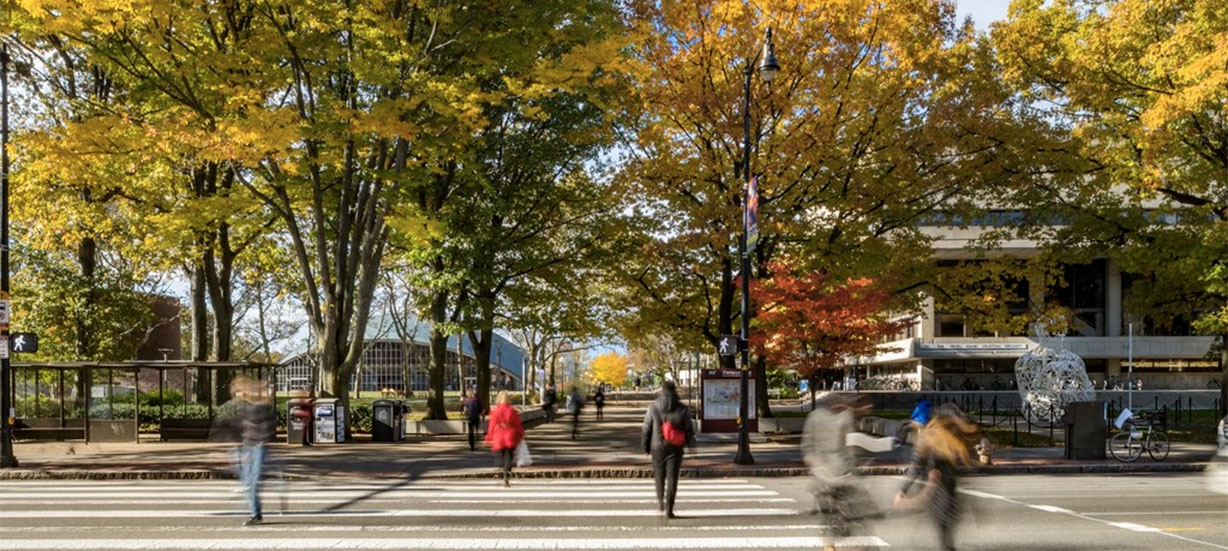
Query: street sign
(24, 342)
(4, 347)
(728, 345)
(752, 214)
(4, 312)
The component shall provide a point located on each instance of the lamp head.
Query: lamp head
(768, 66)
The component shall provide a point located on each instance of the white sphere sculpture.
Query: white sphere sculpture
(1049, 379)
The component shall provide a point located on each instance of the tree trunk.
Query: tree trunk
(482, 341)
(530, 381)
(435, 408)
(87, 260)
(759, 364)
(460, 363)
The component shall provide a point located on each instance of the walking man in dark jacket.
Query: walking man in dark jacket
(257, 425)
(549, 399)
(667, 430)
(473, 417)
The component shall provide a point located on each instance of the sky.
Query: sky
(983, 12)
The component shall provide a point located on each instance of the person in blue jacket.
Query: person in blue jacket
(920, 417)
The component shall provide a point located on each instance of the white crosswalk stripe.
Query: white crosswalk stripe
(423, 514)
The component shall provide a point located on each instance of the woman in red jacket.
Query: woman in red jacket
(504, 432)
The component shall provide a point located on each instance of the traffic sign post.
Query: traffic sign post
(7, 459)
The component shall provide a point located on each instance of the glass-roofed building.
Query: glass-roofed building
(388, 361)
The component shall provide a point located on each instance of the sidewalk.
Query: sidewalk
(606, 449)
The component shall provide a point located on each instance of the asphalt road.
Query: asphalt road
(1001, 512)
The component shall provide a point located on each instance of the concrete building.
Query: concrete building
(939, 351)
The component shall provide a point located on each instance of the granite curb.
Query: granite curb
(600, 472)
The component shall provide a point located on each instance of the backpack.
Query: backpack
(672, 430)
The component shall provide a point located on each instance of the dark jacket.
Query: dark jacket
(259, 424)
(666, 406)
(473, 408)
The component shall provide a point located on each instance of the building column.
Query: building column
(928, 318)
(1113, 304)
(1112, 368)
(925, 376)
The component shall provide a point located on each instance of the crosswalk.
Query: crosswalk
(423, 514)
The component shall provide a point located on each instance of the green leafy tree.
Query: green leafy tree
(1138, 89)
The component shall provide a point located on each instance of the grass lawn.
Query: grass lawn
(1200, 431)
(1005, 438)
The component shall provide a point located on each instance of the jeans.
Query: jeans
(251, 467)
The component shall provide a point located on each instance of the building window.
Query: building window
(950, 325)
(1083, 292)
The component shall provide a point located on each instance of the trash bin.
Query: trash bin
(329, 420)
(1085, 430)
(387, 418)
(298, 421)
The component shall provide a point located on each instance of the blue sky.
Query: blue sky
(983, 12)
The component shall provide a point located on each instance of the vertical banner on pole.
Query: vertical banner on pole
(751, 214)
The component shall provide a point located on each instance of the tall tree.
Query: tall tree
(1138, 88)
(610, 368)
(877, 119)
(809, 323)
(511, 197)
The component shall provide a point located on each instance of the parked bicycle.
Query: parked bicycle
(1137, 434)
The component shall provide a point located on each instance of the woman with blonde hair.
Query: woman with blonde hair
(504, 431)
(943, 446)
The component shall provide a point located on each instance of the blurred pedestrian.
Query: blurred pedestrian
(504, 432)
(256, 425)
(667, 431)
(840, 498)
(599, 401)
(575, 404)
(943, 446)
(550, 400)
(473, 407)
(918, 419)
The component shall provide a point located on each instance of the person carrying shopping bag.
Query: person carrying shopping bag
(504, 433)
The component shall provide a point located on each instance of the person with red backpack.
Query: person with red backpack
(667, 430)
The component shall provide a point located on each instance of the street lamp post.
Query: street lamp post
(767, 70)
(7, 459)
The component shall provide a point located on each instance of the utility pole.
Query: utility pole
(7, 459)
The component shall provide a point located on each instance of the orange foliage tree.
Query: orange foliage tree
(810, 322)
